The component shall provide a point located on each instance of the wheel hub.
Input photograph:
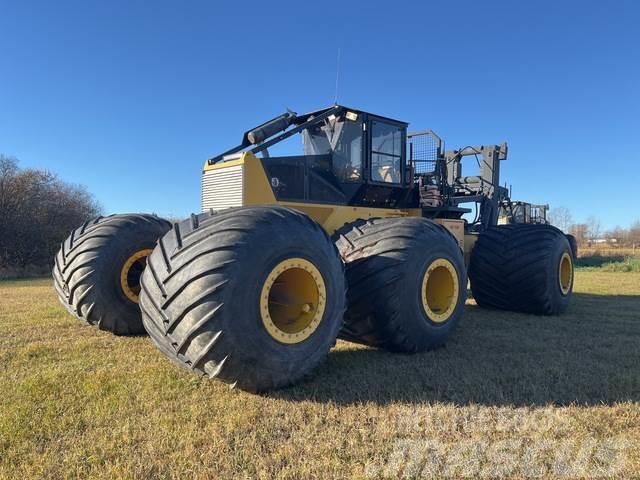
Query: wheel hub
(565, 273)
(131, 272)
(292, 300)
(440, 290)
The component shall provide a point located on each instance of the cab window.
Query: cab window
(386, 152)
(342, 138)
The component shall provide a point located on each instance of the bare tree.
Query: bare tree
(561, 218)
(594, 227)
(618, 235)
(579, 231)
(634, 233)
(37, 211)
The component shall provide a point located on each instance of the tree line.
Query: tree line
(591, 231)
(37, 212)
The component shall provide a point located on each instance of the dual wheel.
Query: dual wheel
(257, 296)
(523, 268)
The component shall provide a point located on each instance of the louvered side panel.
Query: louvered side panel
(222, 188)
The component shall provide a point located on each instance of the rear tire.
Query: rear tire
(252, 296)
(573, 243)
(394, 302)
(97, 270)
(522, 268)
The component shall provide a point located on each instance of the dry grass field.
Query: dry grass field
(510, 396)
(608, 251)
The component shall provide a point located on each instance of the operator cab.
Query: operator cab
(364, 148)
(350, 157)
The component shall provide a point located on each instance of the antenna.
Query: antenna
(335, 100)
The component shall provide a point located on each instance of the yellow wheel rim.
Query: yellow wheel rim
(565, 273)
(440, 290)
(292, 300)
(131, 272)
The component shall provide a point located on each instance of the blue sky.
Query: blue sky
(130, 97)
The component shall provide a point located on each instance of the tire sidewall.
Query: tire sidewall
(416, 319)
(107, 290)
(242, 296)
(559, 300)
(111, 261)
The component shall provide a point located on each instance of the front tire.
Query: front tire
(251, 296)
(407, 283)
(522, 268)
(98, 268)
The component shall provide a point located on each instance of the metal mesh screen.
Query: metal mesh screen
(424, 148)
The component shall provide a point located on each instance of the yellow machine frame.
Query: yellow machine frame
(330, 217)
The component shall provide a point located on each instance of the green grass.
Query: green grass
(77, 402)
(609, 263)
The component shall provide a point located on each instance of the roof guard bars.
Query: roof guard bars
(260, 135)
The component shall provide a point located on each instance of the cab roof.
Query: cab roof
(306, 116)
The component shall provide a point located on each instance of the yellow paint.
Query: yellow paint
(470, 240)
(333, 217)
(139, 260)
(456, 227)
(230, 163)
(440, 290)
(257, 187)
(565, 273)
(293, 300)
(258, 191)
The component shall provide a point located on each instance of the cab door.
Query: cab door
(386, 151)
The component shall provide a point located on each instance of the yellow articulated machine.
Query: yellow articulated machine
(366, 235)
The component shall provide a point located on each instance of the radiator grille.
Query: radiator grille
(222, 188)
